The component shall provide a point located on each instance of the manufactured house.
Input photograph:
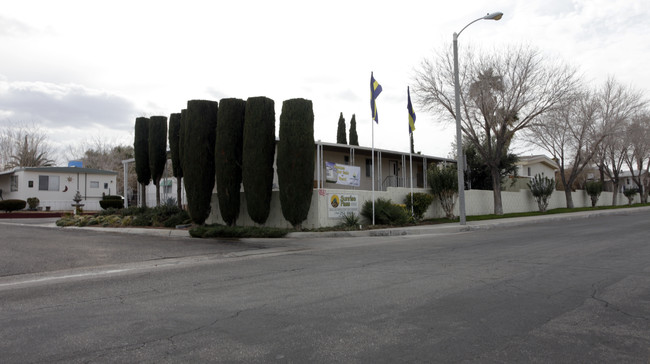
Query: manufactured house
(55, 187)
(392, 169)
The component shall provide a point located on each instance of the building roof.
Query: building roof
(59, 170)
(343, 147)
(532, 159)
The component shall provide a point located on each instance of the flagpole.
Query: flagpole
(373, 170)
(411, 164)
(411, 113)
(375, 90)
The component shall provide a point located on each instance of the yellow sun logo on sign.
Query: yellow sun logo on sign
(334, 201)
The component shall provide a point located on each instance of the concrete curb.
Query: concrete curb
(163, 233)
(450, 228)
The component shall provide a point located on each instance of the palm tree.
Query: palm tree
(30, 155)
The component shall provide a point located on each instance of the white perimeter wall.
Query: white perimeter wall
(477, 202)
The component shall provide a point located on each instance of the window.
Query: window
(368, 167)
(346, 160)
(528, 171)
(105, 185)
(30, 184)
(167, 189)
(48, 183)
(94, 184)
(14, 183)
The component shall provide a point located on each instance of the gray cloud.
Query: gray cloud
(53, 105)
(12, 27)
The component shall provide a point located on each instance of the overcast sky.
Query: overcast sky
(83, 69)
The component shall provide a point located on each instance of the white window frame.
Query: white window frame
(14, 183)
(52, 183)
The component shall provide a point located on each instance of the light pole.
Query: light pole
(459, 139)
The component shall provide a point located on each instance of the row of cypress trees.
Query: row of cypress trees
(233, 142)
(340, 131)
(150, 152)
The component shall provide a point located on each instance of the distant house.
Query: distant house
(55, 187)
(530, 166)
(626, 180)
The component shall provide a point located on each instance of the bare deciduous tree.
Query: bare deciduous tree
(501, 94)
(637, 157)
(618, 104)
(570, 134)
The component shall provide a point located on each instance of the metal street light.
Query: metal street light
(459, 140)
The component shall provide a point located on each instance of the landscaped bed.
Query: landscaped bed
(171, 216)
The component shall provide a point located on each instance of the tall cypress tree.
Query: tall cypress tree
(296, 160)
(258, 155)
(340, 131)
(141, 152)
(354, 138)
(198, 137)
(228, 157)
(174, 141)
(157, 150)
(181, 136)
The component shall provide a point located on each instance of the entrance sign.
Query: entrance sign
(339, 204)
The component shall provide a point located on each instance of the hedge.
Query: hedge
(111, 201)
(12, 205)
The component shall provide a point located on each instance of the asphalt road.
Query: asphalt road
(563, 292)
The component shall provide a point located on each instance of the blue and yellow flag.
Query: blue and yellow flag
(409, 106)
(375, 90)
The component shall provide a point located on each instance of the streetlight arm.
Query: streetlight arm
(491, 16)
(457, 34)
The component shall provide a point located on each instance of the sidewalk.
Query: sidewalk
(471, 225)
(449, 228)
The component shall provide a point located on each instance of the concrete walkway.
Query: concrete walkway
(449, 228)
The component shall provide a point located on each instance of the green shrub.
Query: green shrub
(33, 203)
(111, 202)
(222, 231)
(593, 189)
(542, 188)
(296, 160)
(12, 205)
(179, 218)
(386, 212)
(444, 184)
(630, 193)
(350, 219)
(421, 203)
